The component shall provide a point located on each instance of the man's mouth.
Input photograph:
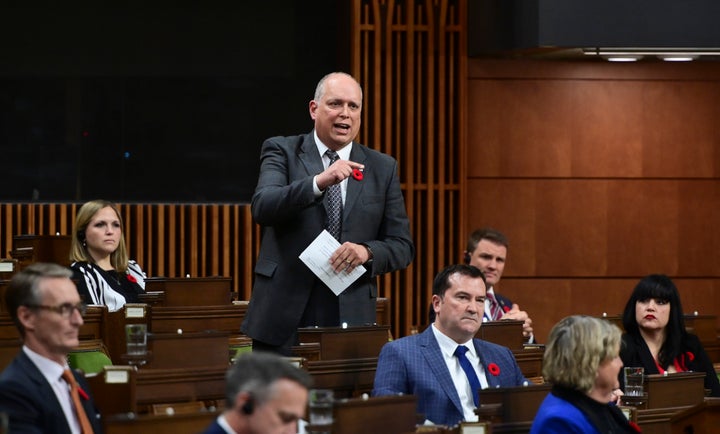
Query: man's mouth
(342, 126)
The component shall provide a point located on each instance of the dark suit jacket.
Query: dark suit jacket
(214, 428)
(292, 217)
(635, 352)
(415, 365)
(31, 404)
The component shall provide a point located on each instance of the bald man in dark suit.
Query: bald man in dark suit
(291, 203)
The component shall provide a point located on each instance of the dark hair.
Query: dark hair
(442, 281)
(489, 234)
(256, 374)
(24, 287)
(658, 286)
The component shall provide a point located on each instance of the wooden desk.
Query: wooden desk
(344, 359)
(507, 333)
(192, 291)
(123, 389)
(530, 360)
(701, 418)
(40, 248)
(176, 424)
(188, 350)
(511, 409)
(337, 343)
(386, 414)
(168, 319)
(668, 396)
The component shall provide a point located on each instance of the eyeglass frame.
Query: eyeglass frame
(65, 310)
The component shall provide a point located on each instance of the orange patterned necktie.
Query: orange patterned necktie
(79, 410)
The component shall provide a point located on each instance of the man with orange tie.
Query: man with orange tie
(38, 391)
(487, 250)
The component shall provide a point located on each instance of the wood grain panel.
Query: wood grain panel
(161, 237)
(409, 56)
(549, 300)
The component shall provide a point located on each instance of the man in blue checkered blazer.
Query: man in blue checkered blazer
(425, 365)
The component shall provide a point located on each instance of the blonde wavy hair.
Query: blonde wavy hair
(577, 346)
(78, 251)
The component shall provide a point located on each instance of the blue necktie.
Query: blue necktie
(334, 203)
(469, 371)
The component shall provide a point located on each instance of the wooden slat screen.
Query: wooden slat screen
(410, 59)
(171, 240)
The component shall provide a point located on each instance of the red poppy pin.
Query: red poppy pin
(494, 369)
(690, 356)
(82, 393)
(357, 174)
(635, 426)
(131, 278)
(506, 309)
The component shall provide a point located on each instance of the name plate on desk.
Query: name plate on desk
(337, 343)
(135, 310)
(507, 333)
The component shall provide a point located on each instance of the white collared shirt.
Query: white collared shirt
(52, 372)
(460, 380)
(343, 154)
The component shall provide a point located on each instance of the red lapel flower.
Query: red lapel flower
(635, 426)
(494, 369)
(131, 278)
(82, 393)
(505, 309)
(690, 356)
(357, 174)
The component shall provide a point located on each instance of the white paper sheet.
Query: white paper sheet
(317, 258)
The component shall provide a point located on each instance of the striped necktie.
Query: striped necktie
(496, 311)
(334, 203)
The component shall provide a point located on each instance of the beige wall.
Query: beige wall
(599, 174)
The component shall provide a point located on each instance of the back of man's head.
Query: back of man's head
(256, 372)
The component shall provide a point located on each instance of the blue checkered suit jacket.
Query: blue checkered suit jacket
(414, 365)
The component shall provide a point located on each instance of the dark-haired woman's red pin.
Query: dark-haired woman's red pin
(357, 174)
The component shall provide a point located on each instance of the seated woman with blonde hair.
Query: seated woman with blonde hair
(582, 361)
(99, 258)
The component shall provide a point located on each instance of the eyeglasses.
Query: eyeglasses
(65, 310)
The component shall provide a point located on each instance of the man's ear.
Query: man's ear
(313, 109)
(26, 316)
(435, 300)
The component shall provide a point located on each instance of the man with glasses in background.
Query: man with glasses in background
(38, 391)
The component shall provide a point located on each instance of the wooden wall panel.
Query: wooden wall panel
(599, 174)
(169, 240)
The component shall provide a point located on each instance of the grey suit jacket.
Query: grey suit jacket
(27, 397)
(414, 365)
(291, 217)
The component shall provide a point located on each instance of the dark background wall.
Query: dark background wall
(157, 104)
